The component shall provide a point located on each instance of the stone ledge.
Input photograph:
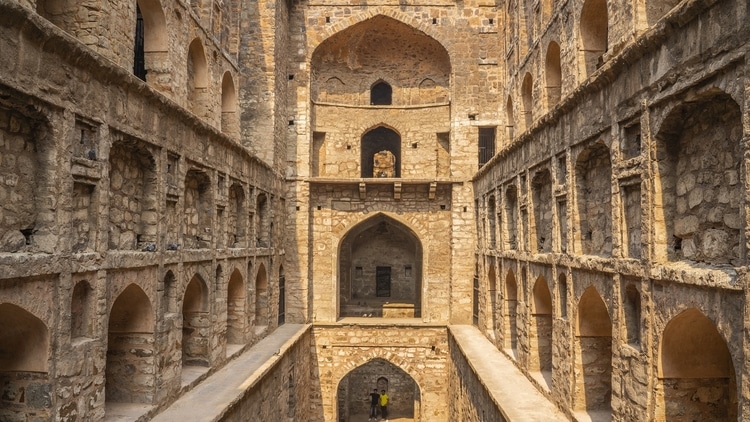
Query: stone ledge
(511, 391)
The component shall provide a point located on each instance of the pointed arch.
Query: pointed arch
(553, 74)
(528, 100)
(24, 340)
(229, 117)
(130, 348)
(197, 75)
(261, 297)
(368, 275)
(593, 354)
(510, 119)
(511, 311)
(594, 31)
(380, 153)
(541, 337)
(196, 323)
(381, 93)
(236, 306)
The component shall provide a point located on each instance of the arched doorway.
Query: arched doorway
(195, 323)
(541, 326)
(261, 299)
(380, 270)
(593, 352)
(236, 300)
(404, 396)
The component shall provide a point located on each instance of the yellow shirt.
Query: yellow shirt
(384, 399)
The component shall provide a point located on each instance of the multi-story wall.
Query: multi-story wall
(141, 241)
(612, 222)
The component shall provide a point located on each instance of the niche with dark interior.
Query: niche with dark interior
(376, 142)
(381, 94)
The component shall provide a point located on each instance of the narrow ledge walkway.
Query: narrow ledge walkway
(211, 398)
(515, 396)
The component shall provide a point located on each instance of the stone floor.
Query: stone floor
(393, 418)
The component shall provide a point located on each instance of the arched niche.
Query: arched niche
(230, 122)
(381, 93)
(694, 359)
(528, 100)
(403, 390)
(261, 297)
(24, 341)
(236, 308)
(282, 296)
(553, 74)
(540, 358)
(195, 323)
(593, 354)
(198, 212)
(130, 371)
(380, 270)
(380, 45)
(380, 153)
(594, 31)
(511, 311)
(82, 311)
(492, 291)
(197, 78)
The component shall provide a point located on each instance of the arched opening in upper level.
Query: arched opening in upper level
(197, 78)
(380, 270)
(528, 100)
(594, 31)
(380, 153)
(230, 121)
(381, 93)
(383, 48)
(553, 74)
(151, 39)
(378, 376)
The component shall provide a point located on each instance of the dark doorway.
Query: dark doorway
(378, 140)
(383, 281)
(381, 94)
(139, 62)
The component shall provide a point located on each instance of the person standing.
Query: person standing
(384, 405)
(374, 404)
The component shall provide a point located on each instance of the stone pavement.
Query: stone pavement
(517, 398)
(208, 400)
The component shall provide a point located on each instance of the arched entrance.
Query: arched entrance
(404, 397)
(380, 270)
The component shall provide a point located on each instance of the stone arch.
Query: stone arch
(540, 356)
(24, 345)
(553, 74)
(541, 185)
(236, 308)
(594, 32)
(380, 153)
(130, 370)
(528, 100)
(511, 311)
(198, 211)
(82, 311)
(196, 321)
(405, 66)
(694, 359)
(708, 228)
(230, 121)
(382, 374)
(593, 354)
(155, 35)
(380, 261)
(632, 314)
(219, 280)
(381, 93)
(197, 78)
(594, 200)
(261, 297)
(170, 300)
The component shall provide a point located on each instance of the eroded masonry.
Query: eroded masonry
(261, 210)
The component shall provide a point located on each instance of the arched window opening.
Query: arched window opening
(198, 210)
(381, 153)
(197, 76)
(511, 312)
(380, 270)
(540, 357)
(381, 94)
(170, 293)
(594, 33)
(82, 311)
(527, 97)
(593, 354)
(693, 357)
(594, 190)
(130, 348)
(139, 61)
(236, 300)
(553, 74)
(262, 221)
(383, 376)
(150, 49)
(196, 322)
(261, 300)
